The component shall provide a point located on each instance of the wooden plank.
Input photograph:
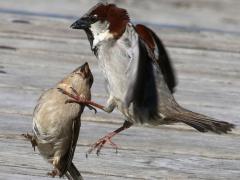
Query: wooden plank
(206, 83)
(37, 48)
(153, 153)
(58, 31)
(214, 14)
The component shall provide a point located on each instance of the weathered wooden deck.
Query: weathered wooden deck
(37, 48)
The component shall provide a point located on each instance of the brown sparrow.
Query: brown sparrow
(57, 121)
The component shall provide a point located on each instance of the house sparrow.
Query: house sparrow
(139, 76)
(57, 121)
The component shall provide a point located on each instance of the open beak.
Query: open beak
(81, 24)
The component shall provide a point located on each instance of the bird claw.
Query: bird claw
(76, 98)
(53, 173)
(100, 144)
(74, 91)
(75, 101)
(92, 108)
(31, 139)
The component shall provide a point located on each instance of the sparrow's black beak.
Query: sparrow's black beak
(86, 66)
(82, 23)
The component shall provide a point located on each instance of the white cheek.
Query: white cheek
(99, 37)
(100, 32)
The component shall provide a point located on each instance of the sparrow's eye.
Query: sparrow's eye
(94, 18)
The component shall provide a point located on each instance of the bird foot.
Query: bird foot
(31, 139)
(76, 98)
(53, 173)
(101, 142)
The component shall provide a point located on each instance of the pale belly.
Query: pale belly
(114, 71)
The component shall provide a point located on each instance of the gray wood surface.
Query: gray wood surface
(37, 48)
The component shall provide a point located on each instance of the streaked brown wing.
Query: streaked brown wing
(67, 159)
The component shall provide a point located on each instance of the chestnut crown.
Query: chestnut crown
(104, 17)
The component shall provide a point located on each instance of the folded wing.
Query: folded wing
(158, 52)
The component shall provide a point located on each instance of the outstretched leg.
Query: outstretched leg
(101, 142)
(76, 98)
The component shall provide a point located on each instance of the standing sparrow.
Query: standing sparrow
(139, 76)
(57, 121)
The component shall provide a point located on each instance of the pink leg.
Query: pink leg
(101, 142)
(77, 99)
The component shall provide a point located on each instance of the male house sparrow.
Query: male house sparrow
(139, 77)
(57, 121)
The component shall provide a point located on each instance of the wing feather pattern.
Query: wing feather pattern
(158, 52)
(67, 159)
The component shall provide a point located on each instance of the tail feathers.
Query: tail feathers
(73, 174)
(201, 122)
